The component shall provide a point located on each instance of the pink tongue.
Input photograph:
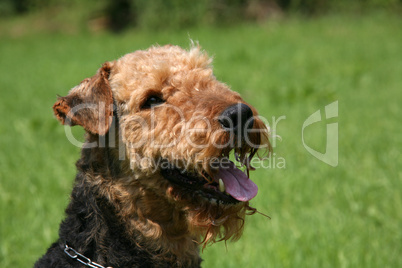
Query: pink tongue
(237, 184)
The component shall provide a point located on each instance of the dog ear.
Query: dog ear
(90, 104)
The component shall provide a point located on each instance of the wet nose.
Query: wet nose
(237, 118)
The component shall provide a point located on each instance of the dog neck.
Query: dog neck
(145, 218)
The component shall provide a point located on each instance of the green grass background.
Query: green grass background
(322, 216)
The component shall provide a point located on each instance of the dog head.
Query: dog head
(187, 137)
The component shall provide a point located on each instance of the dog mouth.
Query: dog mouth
(228, 184)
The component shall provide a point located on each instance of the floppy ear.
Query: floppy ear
(90, 104)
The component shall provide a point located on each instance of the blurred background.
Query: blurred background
(289, 58)
(73, 16)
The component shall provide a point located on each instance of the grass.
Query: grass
(322, 216)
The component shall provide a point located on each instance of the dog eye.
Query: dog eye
(152, 101)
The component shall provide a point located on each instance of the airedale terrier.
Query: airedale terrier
(154, 181)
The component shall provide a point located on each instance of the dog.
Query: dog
(156, 180)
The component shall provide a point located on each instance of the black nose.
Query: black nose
(237, 119)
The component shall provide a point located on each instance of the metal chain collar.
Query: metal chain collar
(72, 253)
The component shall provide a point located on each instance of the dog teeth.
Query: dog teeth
(221, 186)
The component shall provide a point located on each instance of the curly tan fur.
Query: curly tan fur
(123, 170)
